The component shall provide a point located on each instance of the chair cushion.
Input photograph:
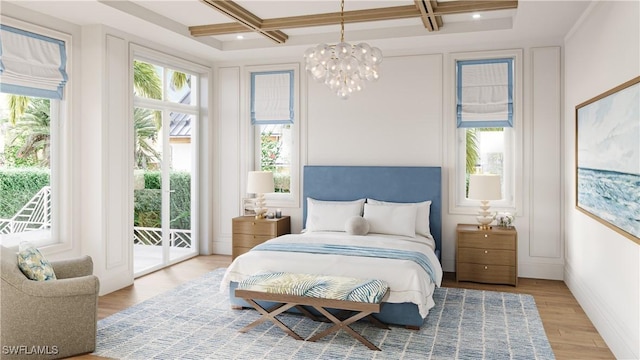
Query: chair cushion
(317, 286)
(33, 264)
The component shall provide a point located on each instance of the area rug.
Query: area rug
(195, 321)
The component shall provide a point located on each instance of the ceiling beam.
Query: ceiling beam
(424, 14)
(294, 22)
(246, 18)
(469, 6)
(431, 13)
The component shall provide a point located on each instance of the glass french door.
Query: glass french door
(165, 122)
(164, 192)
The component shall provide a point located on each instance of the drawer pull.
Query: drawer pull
(486, 267)
(485, 235)
(253, 223)
(486, 251)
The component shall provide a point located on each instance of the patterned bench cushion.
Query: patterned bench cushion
(317, 286)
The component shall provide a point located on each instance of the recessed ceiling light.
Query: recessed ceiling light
(476, 16)
(239, 37)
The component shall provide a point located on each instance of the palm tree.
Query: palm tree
(146, 82)
(34, 127)
(17, 106)
(473, 152)
(146, 134)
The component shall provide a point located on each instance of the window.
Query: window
(275, 131)
(34, 141)
(487, 123)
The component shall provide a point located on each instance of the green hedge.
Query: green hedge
(147, 201)
(18, 186)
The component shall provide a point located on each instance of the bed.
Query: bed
(388, 197)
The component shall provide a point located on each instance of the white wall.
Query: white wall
(405, 119)
(602, 267)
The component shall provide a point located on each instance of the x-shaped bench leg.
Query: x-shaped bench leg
(344, 325)
(271, 314)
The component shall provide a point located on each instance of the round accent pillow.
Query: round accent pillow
(357, 225)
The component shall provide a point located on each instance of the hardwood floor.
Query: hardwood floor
(569, 330)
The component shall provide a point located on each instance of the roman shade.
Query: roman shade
(484, 93)
(31, 64)
(272, 97)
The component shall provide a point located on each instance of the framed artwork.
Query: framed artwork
(608, 158)
(248, 206)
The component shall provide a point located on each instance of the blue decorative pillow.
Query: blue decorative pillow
(33, 265)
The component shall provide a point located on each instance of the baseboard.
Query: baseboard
(549, 271)
(113, 282)
(602, 317)
(222, 246)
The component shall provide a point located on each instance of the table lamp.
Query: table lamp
(484, 187)
(259, 183)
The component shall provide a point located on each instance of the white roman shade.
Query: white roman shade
(272, 97)
(31, 64)
(485, 93)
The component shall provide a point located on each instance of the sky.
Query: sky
(609, 132)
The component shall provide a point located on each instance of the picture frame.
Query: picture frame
(248, 206)
(608, 158)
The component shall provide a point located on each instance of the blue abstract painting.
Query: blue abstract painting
(608, 158)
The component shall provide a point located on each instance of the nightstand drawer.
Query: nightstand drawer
(266, 228)
(249, 232)
(482, 240)
(249, 241)
(497, 274)
(487, 256)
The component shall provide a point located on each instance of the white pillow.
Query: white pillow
(422, 215)
(393, 220)
(357, 225)
(331, 215)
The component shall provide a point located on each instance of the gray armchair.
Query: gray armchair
(47, 319)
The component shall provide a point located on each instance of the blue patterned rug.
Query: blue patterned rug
(194, 321)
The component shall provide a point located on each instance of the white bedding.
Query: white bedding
(408, 281)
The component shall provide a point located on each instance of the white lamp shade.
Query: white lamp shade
(260, 182)
(485, 187)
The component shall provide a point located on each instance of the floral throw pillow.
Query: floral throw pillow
(33, 265)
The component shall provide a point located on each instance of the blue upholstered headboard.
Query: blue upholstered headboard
(386, 183)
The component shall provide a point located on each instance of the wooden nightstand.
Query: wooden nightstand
(249, 232)
(487, 256)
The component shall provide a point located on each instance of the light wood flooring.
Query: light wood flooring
(570, 332)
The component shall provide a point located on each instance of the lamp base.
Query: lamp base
(484, 217)
(260, 210)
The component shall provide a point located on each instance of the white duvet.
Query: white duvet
(408, 281)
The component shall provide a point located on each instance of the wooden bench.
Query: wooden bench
(285, 302)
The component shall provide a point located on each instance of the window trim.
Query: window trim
(292, 199)
(513, 161)
(60, 237)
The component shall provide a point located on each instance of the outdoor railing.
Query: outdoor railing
(153, 236)
(36, 215)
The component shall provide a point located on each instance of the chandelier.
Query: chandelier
(343, 67)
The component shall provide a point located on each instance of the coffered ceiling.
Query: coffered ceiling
(430, 12)
(246, 29)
